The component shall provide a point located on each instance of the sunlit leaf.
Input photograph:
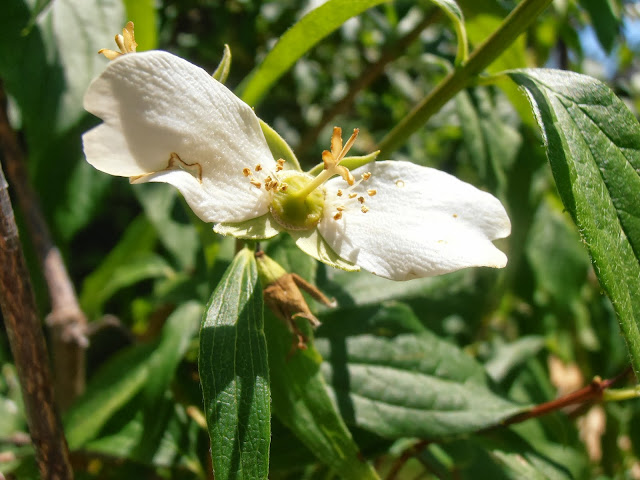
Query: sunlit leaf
(146, 368)
(593, 146)
(235, 375)
(296, 41)
(398, 384)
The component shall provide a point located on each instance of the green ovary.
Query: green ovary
(294, 211)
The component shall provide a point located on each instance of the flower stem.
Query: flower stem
(621, 394)
(512, 26)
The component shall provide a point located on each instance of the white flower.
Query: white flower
(166, 120)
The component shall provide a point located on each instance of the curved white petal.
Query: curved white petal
(422, 222)
(167, 120)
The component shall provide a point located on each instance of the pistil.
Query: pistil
(331, 160)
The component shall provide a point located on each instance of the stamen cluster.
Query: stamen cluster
(270, 183)
(349, 195)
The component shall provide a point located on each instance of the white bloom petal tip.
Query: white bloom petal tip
(167, 120)
(419, 222)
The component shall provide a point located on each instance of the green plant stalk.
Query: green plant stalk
(510, 29)
(621, 394)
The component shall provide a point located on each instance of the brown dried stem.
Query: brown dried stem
(367, 77)
(29, 349)
(68, 323)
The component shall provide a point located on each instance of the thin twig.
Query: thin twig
(365, 79)
(584, 396)
(68, 323)
(29, 349)
(405, 457)
(590, 393)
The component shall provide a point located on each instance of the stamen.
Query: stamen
(283, 187)
(246, 172)
(353, 195)
(337, 216)
(341, 208)
(280, 164)
(366, 176)
(361, 199)
(126, 43)
(339, 193)
(371, 192)
(255, 183)
(364, 209)
(258, 167)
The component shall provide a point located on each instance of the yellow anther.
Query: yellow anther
(337, 216)
(366, 176)
(255, 183)
(339, 193)
(364, 209)
(361, 199)
(340, 208)
(258, 168)
(283, 187)
(280, 164)
(246, 172)
(371, 192)
(126, 43)
(353, 195)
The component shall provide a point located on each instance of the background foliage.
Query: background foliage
(413, 377)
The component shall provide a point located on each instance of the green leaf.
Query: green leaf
(483, 17)
(492, 142)
(130, 262)
(145, 368)
(301, 402)
(593, 145)
(452, 10)
(397, 384)
(501, 455)
(143, 14)
(178, 236)
(46, 72)
(176, 447)
(603, 20)
(235, 375)
(296, 41)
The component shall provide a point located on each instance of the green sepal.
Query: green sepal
(350, 162)
(222, 70)
(313, 244)
(279, 147)
(259, 228)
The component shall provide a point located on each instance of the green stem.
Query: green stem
(512, 26)
(621, 394)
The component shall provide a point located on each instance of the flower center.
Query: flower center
(294, 209)
(297, 199)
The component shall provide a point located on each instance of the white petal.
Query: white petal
(422, 222)
(154, 106)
